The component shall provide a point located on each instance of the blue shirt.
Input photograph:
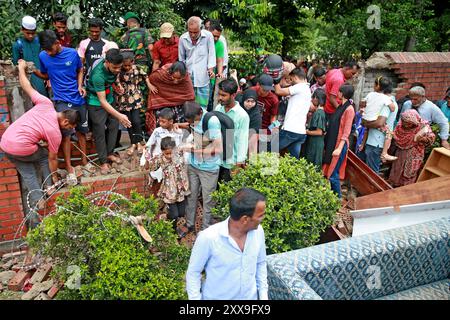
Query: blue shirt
(230, 273)
(62, 71)
(241, 122)
(375, 137)
(431, 113)
(204, 161)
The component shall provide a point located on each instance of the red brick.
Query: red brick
(3, 187)
(4, 214)
(10, 172)
(4, 203)
(6, 180)
(53, 291)
(4, 231)
(13, 187)
(10, 223)
(10, 195)
(6, 164)
(11, 210)
(41, 274)
(17, 282)
(3, 100)
(2, 92)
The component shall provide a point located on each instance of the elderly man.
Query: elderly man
(429, 112)
(196, 49)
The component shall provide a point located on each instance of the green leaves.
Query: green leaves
(114, 260)
(300, 204)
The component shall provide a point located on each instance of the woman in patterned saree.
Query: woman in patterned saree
(411, 135)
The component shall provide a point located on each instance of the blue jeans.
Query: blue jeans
(25, 165)
(334, 178)
(373, 157)
(292, 141)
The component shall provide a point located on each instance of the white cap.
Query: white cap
(242, 80)
(29, 23)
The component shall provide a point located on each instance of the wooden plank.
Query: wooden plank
(362, 178)
(437, 189)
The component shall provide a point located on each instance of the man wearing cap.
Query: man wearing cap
(27, 47)
(165, 50)
(196, 50)
(267, 100)
(139, 40)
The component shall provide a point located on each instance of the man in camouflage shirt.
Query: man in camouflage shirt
(139, 40)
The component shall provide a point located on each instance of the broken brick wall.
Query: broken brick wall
(11, 209)
(405, 68)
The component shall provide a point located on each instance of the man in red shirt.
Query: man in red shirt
(26, 140)
(165, 50)
(334, 79)
(267, 100)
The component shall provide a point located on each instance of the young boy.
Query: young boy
(166, 129)
(374, 103)
(175, 182)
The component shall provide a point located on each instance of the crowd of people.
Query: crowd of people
(203, 125)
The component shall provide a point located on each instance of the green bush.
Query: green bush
(300, 204)
(114, 261)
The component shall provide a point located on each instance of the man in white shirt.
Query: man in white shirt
(232, 253)
(293, 132)
(196, 50)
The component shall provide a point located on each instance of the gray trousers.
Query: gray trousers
(206, 181)
(105, 129)
(26, 165)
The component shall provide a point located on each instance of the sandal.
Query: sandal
(388, 157)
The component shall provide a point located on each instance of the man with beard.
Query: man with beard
(229, 106)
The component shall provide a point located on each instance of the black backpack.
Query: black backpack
(226, 123)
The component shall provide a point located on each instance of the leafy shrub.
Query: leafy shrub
(300, 204)
(114, 261)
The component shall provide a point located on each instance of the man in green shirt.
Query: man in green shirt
(101, 112)
(27, 47)
(216, 29)
(229, 106)
(139, 40)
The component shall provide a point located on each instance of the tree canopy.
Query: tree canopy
(336, 29)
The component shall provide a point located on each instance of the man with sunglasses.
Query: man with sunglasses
(27, 47)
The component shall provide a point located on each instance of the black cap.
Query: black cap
(266, 82)
(250, 94)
